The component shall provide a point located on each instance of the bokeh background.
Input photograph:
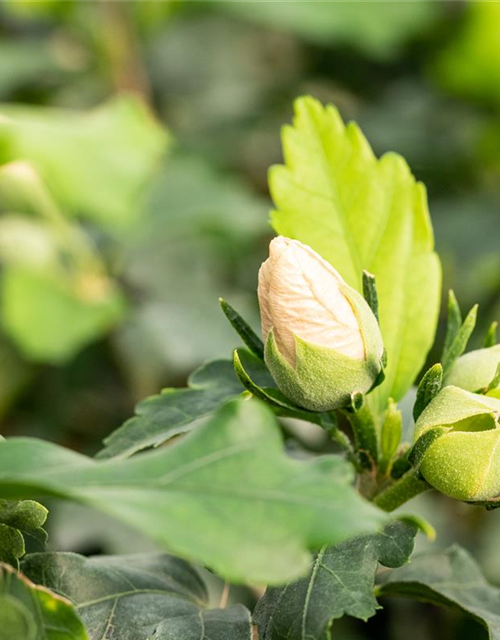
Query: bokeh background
(135, 139)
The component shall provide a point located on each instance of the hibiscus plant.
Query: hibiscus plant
(349, 300)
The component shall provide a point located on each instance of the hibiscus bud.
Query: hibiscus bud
(322, 341)
(464, 461)
(475, 370)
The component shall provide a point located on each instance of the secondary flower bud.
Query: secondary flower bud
(322, 341)
(464, 462)
(475, 370)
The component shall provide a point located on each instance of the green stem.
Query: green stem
(404, 489)
(365, 435)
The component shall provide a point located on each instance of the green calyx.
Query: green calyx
(475, 371)
(464, 461)
(324, 379)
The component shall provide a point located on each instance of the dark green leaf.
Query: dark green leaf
(174, 411)
(259, 511)
(429, 387)
(340, 582)
(30, 612)
(450, 578)
(243, 329)
(16, 519)
(138, 597)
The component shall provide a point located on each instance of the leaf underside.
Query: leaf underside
(259, 510)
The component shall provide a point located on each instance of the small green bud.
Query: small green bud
(475, 370)
(322, 340)
(463, 462)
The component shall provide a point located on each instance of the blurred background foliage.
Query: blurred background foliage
(135, 139)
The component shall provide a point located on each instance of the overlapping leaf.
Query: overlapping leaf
(174, 411)
(359, 213)
(225, 495)
(340, 582)
(451, 578)
(138, 597)
(30, 612)
(18, 518)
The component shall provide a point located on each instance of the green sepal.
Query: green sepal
(429, 387)
(490, 339)
(243, 329)
(324, 379)
(245, 361)
(419, 449)
(457, 332)
(370, 292)
(390, 436)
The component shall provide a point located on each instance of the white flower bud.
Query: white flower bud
(322, 340)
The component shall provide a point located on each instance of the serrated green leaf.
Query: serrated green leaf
(358, 213)
(340, 582)
(259, 510)
(449, 579)
(30, 612)
(118, 146)
(138, 597)
(174, 411)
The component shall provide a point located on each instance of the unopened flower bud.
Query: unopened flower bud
(322, 341)
(463, 462)
(475, 370)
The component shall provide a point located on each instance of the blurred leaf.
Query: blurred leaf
(259, 510)
(51, 320)
(363, 213)
(96, 163)
(16, 519)
(340, 582)
(24, 63)
(174, 411)
(138, 597)
(470, 65)
(29, 612)
(198, 241)
(378, 29)
(450, 579)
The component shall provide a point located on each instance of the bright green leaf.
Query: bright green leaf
(470, 64)
(138, 597)
(340, 582)
(449, 579)
(30, 612)
(359, 213)
(259, 510)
